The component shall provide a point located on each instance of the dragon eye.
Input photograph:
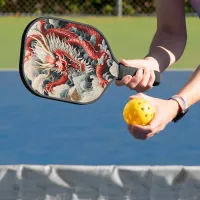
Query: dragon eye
(57, 57)
(56, 65)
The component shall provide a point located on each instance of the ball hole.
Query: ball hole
(139, 103)
(142, 109)
(148, 108)
(146, 115)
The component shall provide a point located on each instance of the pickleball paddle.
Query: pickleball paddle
(68, 61)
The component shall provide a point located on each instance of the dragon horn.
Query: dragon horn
(44, 39)
(45, 49)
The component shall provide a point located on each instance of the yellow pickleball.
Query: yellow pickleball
(138, 112)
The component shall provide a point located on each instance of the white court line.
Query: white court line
(180, 70)
(8, 70)
(169, 70)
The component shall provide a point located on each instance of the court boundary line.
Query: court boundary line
(179, 70)
(168, 70)
(8, 69)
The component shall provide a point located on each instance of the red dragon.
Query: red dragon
(56, 47)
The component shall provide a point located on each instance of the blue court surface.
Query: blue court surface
(35, 130)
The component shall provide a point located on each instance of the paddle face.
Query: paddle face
(65, 60)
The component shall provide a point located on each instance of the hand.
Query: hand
(144, 78)
(166, 111)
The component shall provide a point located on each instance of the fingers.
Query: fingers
(125, 80)
(143, 132)
(133, 63)
(130, 81)
(159, 121)
(141, 82)
(146, 81)
(151, 79)
(145, 78)
(134, 133)
(146, 132)
(133, 83)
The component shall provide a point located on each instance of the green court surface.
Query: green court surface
(128, 37)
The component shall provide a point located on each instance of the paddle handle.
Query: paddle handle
(124, 71)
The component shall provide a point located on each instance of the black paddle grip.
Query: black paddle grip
(124, 71)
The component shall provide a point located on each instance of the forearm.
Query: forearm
(191, 91)
(167, 48)
(169, 41)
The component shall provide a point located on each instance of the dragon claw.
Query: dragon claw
(103, 83)
(49, 87)
(27, 57)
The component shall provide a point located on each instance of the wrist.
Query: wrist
(180, 107)
(175, 106)
(153, 62)
(163, 56)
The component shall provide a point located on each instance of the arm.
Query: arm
(167, 110)
(166, 48)
(170, 38)
(191, 91)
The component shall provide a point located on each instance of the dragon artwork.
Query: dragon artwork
(66, 60)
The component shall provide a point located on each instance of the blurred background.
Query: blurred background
(40, 131)
(128, 25)
(82, 7)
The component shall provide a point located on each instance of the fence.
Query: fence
(81, 7)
